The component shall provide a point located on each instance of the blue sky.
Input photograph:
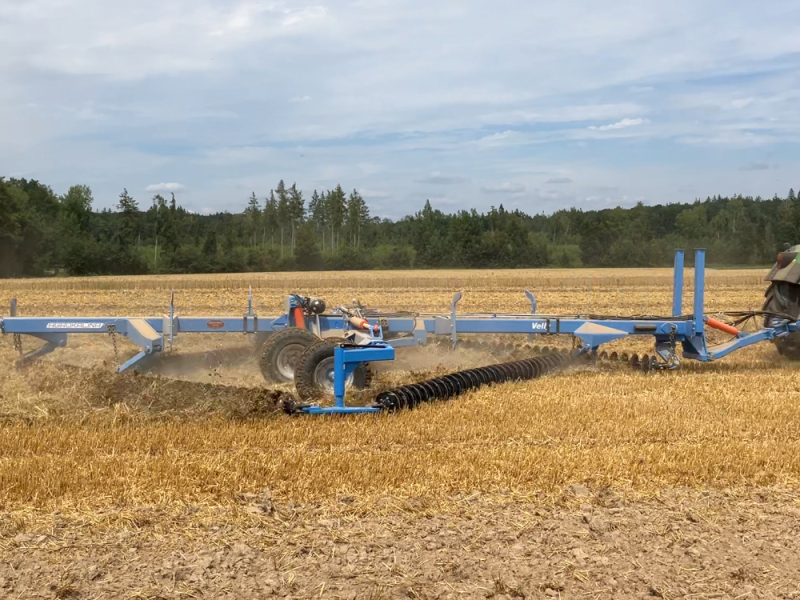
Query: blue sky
(536, 105)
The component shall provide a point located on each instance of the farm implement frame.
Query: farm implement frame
(324, 350)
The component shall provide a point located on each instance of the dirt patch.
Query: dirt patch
(590, 543)
(69, 392)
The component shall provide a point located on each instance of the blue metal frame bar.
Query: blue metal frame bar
(677, 285)
(149, 332)
(748, 339)
(699, 289)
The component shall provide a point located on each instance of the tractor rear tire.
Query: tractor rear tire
(282, 352)
(784, 297)
(313, 377)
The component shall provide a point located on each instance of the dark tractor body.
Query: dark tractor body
(783, 298)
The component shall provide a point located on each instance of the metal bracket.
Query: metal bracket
(594, 334)
(453, 304)
(532, 300)
(346, 359)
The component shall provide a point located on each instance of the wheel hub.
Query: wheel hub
(324, 375)
(288, 358)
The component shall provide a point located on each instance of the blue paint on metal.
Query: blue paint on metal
(52, 341)
(593, 335)
(171, 319)
(453, 319)
(699, 289)
(346, 359)
(677, 285)
(133, 361)
(149, 332)
(532, 300)
(339, 410)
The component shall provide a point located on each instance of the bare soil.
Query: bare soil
(587, 543)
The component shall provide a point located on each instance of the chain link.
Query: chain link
(673, 355)
(18, 343)
(112, 331)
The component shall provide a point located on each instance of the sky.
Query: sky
(530, 104)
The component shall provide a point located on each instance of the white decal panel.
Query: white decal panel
(75, 325)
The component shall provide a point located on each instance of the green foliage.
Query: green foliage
(307, 250)
(565, 255)
(388, 256)
(41, 232)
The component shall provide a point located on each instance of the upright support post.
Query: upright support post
(453, 304)
(13, 310)
(339, 376)
(699, 289)
(250, 302)
(677, 285)
(171, 318)
(532, 300)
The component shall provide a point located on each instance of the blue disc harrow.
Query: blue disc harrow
(356, 336)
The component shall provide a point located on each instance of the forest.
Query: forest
(46, 234)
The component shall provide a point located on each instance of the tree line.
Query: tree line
(43, 233)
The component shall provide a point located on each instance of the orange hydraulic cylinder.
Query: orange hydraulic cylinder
(362, 324)
(722, 326)
(299, 318)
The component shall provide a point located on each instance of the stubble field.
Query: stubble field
(596, 482)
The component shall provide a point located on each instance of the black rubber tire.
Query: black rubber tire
(261, 338)
(282, 352)
(782, 297)
(306, 380)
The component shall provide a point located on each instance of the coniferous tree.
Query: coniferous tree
(41, 233)
(284, 210)
(336, 206)
(253, 213)
(297, 210)
(271, 220)
(129, 233)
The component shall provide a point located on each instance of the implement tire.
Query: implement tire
(281, 353)
(261, 338)
(784, 297)
(313, 377)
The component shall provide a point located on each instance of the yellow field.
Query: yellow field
(616, 291)
(97, 455)
(609, 426)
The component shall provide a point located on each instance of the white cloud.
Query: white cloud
(506, 187)
(619, 124)
(500, 139)
(543, 111)
(231, 97)
(158, 188)
(374, 194)
(741, 102)
(308, 13)
(437, 178)
(559, 180)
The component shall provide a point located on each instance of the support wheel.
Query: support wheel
(784, 297)
(281, 353)
(313, 376)
(261, 338)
